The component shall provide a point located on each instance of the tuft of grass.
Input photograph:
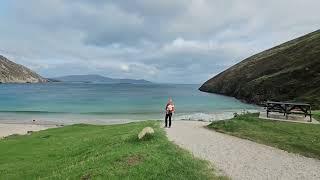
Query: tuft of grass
(298, 138)
(98, 152)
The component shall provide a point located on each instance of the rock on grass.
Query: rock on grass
(145, 131)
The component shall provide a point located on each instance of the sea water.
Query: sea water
(111, 103)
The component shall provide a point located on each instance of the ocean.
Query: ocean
(111, 103)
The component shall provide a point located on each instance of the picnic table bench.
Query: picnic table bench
(289, 108)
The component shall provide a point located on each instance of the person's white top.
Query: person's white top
(170, 107)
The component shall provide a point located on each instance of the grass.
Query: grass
(98, 152)
(316, 115)
(298, 138)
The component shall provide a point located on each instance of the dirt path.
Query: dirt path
(239, 158)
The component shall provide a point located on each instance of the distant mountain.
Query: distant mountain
(93, 78)
(11, 72)
(288, 72)
(52, 80)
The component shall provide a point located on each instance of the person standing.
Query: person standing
(169, 111)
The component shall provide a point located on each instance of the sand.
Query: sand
(239, 158)
(7, 129)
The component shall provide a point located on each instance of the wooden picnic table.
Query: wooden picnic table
(289, 108)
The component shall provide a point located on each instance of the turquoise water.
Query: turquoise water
(106, 102)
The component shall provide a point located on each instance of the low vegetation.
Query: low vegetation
(316, 115)
(98, 152)
(292, 137)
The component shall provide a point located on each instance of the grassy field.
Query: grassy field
(292, 137)
(98, 152)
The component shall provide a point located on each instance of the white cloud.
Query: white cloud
(125, 67)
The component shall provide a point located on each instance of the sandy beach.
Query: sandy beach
(7, 129)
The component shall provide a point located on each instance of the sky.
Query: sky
(168, 41)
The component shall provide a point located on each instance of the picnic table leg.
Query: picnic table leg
(285, 110)
(310, 115)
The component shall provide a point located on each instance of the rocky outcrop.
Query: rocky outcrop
(288, 72)
(11, 72)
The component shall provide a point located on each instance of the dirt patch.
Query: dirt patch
(134, 160)
(86, 177)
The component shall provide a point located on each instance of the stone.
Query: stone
(145, 131)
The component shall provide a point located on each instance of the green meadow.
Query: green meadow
(99, 152)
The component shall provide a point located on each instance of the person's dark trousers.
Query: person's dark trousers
(168, 116)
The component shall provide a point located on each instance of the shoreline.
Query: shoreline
(8, 129)
(23, 125)
(73, 118)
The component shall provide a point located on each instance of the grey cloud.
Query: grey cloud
(182, 39)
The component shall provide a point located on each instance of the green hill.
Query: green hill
(85, 152)
(288, 72)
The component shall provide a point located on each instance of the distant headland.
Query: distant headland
(95, 78)
(11, 72)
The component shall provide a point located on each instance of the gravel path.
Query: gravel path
(239, 158)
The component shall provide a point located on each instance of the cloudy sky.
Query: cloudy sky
(178, 41)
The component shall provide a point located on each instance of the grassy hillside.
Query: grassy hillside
(98, 152)
(288, 72)
(292, 137)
